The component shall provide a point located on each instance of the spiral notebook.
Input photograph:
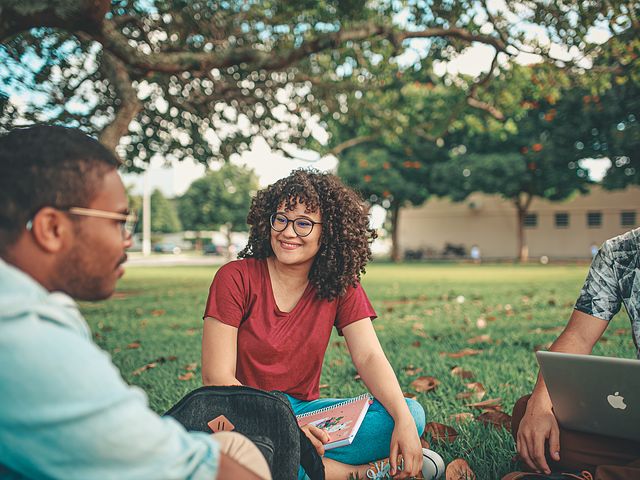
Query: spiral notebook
(341, 421)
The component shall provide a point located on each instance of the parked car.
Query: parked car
(167, 248)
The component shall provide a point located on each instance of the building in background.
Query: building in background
(557, 230)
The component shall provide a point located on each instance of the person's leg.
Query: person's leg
(370, 444)
(243, 452)
(582, 451)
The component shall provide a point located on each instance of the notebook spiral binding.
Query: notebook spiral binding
(331, 407)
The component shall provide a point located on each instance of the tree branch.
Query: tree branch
(127, 105)
(341, 147)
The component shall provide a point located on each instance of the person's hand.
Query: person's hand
(538, 424)
(317, 437)
(406, 442)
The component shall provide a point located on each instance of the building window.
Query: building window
(594, 219)
(628, 219)
(531, 220)
(562, 220)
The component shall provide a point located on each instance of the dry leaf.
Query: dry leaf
(465, 352)
(158, 312)
(460, 372)
(492, 403)
(425, 384)
(134, 345)
(336, 362)
(441, 432)
(620, 331)
(409, 395)
(411, 370)
(459, 469)
(189, 367)
(476, 391)
(461, 417)
(416, 344)
(481, 323)
(186, 376)
(192, 331)
(356, 376)
(497, 419)
(323, 385)
(486, 338)
(425, 443)
(138, 371)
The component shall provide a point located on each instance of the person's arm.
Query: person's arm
(377, 374)
(219, 353)
(539, 423)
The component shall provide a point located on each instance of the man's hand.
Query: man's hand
(538, 424)
(317, 436)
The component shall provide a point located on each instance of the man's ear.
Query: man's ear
(51, 229)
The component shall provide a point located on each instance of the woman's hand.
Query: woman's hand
(406, 442)
(317, 436)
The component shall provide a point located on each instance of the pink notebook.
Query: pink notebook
(341, 421)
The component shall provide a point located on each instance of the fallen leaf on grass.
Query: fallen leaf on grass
(411, 370)
(475, 390)
(490, 404)
(425, 443)
(441, 432)
(465, 352)
(460, 372)
(323, 385)
(192, 331)
(416, 344)
(356, 377)
(620, 331)
(148, 366)
(486, 338)
(186, 376)
(459, 469)
(158, 312)
(134, 345)
(336, 362)
(412, 396)
(496, 419)
(189, 367)
(425, 384)
(542, 346)
(461, 417)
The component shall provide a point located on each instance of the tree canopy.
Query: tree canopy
(200, 78)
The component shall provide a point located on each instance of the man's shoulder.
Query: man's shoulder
(625, 249)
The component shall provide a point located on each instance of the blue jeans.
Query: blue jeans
(373, 439)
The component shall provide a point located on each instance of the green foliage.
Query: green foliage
(209, 76)
(221, 197)
(164, 214)
(524, 307)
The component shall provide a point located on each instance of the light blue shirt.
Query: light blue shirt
(65, 411)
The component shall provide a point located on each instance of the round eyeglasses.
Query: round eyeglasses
(301, 226)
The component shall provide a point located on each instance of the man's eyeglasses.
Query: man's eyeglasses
(127, 220)
(301, 226)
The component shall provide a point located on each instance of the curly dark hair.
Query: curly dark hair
(346, 236)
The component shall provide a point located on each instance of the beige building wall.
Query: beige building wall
(490, 222)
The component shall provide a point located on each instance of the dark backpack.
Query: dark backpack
(265, 417)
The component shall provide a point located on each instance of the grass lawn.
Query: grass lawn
(425, 311)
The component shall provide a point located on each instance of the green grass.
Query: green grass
(161, 309)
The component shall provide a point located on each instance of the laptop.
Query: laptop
(594, 394)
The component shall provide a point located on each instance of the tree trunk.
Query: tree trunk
(229, 253)
(395, 251)
(522, 207)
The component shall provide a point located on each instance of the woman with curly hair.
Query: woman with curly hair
(269, 317)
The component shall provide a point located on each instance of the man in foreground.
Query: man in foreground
(613, 280)
(65, 412)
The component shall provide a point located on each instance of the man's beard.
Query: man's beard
(82, 279)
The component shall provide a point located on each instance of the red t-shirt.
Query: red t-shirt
(279, 350)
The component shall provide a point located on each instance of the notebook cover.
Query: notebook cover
(340, 421)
